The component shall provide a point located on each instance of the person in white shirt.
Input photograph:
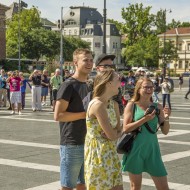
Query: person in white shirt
(166, 86)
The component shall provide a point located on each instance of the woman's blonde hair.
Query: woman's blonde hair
(101, 80)
(136, 96)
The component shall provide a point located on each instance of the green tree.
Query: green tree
(143, 53)
(168, 52)
(29, 19)
(138, 22)
(40, 42)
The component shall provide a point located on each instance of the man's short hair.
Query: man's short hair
(80, 51)
(103, 57)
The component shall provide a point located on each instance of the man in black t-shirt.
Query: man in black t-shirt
(70, 113)
(36, 79)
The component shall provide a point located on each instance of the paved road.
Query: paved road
(29, 153)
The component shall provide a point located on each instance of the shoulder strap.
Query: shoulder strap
(90, 107)
(134, 107)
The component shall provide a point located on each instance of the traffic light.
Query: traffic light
(59, 24)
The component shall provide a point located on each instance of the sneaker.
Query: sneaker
(186, 98)
(43, 104)
(19, 113)
(34, 110)
(12, 113)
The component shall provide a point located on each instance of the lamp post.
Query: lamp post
(104, 29)
(20, 5)
(164, 58)
(19, 9)
(61, 43)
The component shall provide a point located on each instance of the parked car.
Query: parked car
(151, 74)
(186, 74)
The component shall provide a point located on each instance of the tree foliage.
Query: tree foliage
(35, 41)
(138, 22)
(141, 46)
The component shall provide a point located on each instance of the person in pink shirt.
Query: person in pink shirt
(15, 94)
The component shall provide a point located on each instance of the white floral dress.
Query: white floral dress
(102, 165)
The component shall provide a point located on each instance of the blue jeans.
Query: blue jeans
(71, 165)
(164, 98)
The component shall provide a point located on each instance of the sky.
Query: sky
(51, 9)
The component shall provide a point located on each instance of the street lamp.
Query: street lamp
(104, 29)
(164, 58)
(61, 43)
(20, 5)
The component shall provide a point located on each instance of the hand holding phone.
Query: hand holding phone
(150, 110)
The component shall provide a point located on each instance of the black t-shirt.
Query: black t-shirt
(73, 91)
(36, 80)
(46, 81)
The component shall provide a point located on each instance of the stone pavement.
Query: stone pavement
(29, 153)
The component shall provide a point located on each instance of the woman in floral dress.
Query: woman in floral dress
(102, 165)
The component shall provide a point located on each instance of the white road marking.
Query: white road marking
(27, 119)
(174, 132)
(179, 117)
(49, 186)
(29, 165)
(149, 182)
(175, 156)
(22, 143)
(174, 142)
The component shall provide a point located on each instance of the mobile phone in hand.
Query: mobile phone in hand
(150, 109)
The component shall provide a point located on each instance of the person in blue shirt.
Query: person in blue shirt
(23, 88)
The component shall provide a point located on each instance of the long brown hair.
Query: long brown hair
(136, 96)
(100, 81)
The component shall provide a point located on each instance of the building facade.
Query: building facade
(180, 37)
(87, 24)
(3, 9)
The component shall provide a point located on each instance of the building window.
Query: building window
(97, 44)
(188, 47)
(180, 65)
(88, 21)
(71, 22)
(114, 45)
(180, 47)
(75, 32)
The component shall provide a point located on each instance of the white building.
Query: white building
(180, 37)
(87, 24)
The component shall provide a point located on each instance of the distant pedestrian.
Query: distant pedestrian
(180, 81)
(45, 87)
(67, 74)
(55, 83)
(188, 92)
(166, 86)
(23, 88)
(36, 79)
(4, 90)
(15, 93)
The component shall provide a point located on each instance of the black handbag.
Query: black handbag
(125, 142)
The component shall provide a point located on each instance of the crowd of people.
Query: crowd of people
(89, 120)
(13, 87)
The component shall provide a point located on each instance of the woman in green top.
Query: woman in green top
(145, 154)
